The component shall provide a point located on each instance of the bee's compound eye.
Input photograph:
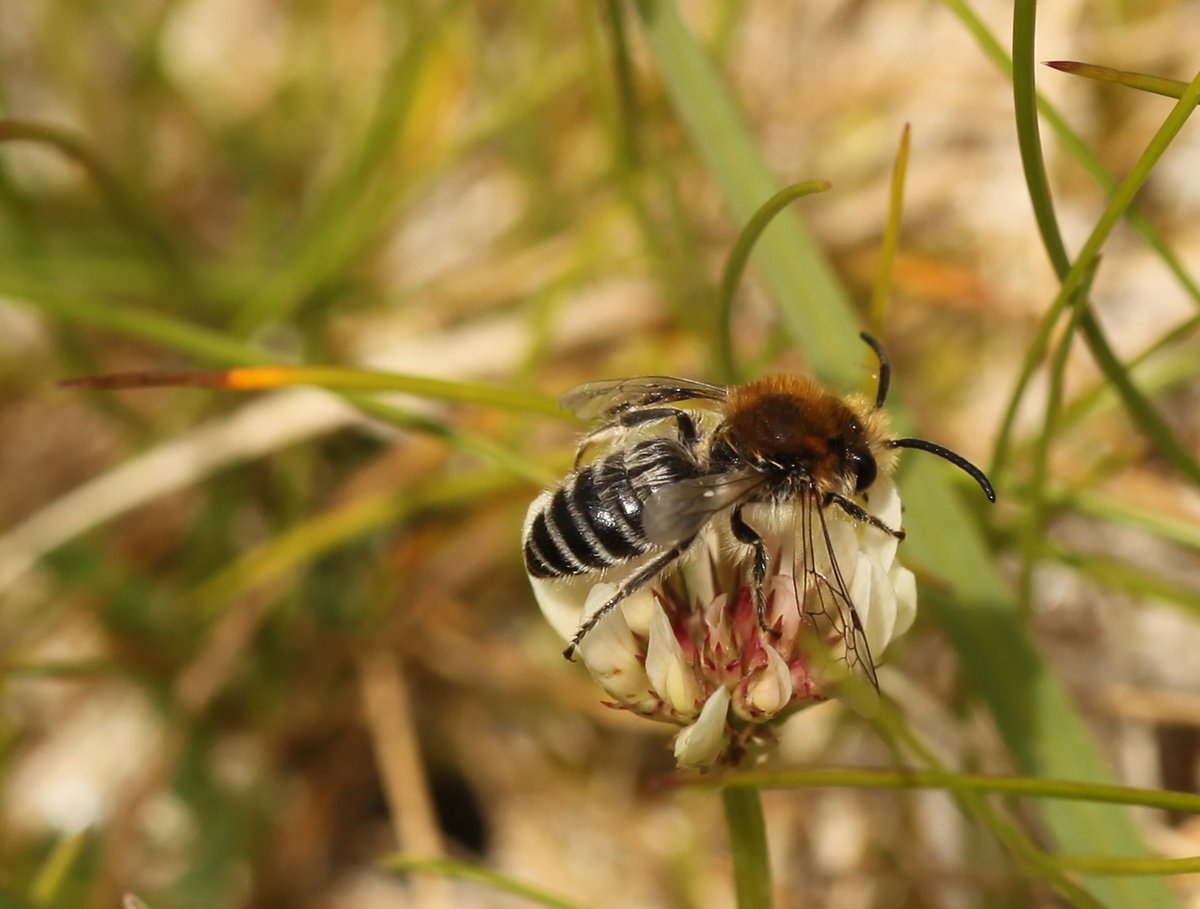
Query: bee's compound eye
(864, 471)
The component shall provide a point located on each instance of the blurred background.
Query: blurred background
(252, 644)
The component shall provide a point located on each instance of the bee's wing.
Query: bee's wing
(830, 606)
(598, 400)
(675, 513)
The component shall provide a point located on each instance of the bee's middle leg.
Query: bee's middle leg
(744, 533)
(684, 424)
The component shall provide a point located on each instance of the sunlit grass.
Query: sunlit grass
(443, 214)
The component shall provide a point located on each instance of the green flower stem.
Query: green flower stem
(748, 847)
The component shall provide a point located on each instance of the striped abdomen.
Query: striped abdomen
(593, 519)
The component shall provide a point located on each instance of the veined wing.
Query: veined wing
(828, 604)
(677, 511)
(612, 397)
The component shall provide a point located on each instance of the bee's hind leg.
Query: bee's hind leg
(744, 533)
(630, 585)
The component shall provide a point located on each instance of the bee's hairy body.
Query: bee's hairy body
(669, 471)
(785, 434)
(593, 519)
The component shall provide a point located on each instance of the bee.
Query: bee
(683, 454)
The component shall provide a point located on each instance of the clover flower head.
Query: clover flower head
(688, 648)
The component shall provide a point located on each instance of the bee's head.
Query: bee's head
(858, 466)
(795, 428)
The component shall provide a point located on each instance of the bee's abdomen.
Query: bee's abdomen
(593, 519)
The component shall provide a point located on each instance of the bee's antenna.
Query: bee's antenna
(956, 459)
(885, 369)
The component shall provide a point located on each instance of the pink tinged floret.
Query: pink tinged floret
(613, 655)
(765, 691)
(672, 674)
(719, 654)
(690, 650)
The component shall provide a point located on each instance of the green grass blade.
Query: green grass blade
(1137, 582)
(127, 210)
(308, 540)
(1179, 531)
(901, 779)
(1157, 85)
(881, 291)
(1072, 274)
(465, 871)
(1006, 830)
(1120, 205)
(1033, 522)
(354, 206)
(1031, 709)
(812, 303)
(167, 331)
(51, 876)
(735, 265)
(342, 378)
(1167, 444)
(1075, 146)
(1104, 865)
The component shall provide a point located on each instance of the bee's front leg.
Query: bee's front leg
(857, 512)
(744, 533)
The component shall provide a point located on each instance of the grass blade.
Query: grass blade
(812, 302)
(1042, 731)
(1157, 85)
(735, 265)
(465, 871)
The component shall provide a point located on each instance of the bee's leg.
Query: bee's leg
(856, 511)
(630, 585)
(630, 418)
(744, 533)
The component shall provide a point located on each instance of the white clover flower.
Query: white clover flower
(688, 648)
(723, 555)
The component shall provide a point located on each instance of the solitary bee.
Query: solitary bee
(682, 454)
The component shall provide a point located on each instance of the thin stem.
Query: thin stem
(1071, 273)
(748, 847)
(1025, 786)
(736, 264)
(891, 235)
(1171, 88)
(1033, 532)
